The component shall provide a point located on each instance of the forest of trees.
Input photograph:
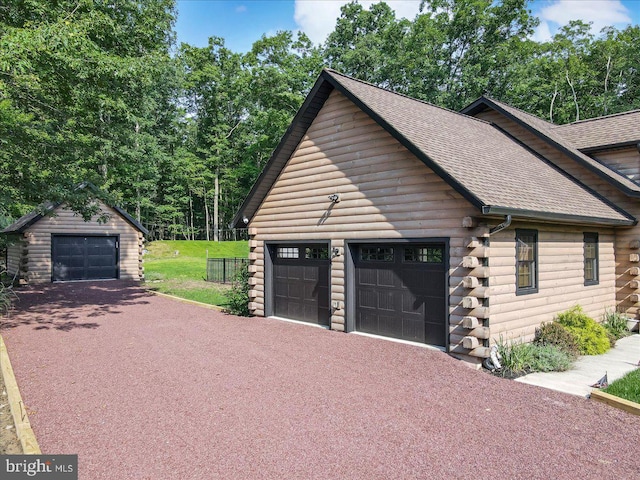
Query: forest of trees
(99, 91)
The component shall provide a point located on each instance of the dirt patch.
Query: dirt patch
(9, 443)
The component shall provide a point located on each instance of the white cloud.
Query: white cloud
(241, 8)
(317, 18)
(601, 13)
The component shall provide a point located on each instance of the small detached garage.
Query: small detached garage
(60, 246)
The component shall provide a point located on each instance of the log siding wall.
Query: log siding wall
(626, 239)
(38, 242)
(14, 253)
(385, 193)
(624, 160)
(560, 279)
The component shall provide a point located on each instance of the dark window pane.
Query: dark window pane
(376, 254)
(287, 252)
(317, 253)
(590, 258)
(526, 260)
(424, 254)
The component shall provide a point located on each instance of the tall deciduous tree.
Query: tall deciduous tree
(79, 87)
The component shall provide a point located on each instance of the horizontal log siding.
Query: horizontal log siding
(14, 252)
(385, 192)
(65, 222)
(624, 160)
(623, 237)
(560, 280)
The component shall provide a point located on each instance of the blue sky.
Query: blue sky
(241, 22)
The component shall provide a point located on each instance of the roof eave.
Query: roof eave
(611, 146)
(245, 212)
(557, 217)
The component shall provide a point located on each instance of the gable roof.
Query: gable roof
(555, 137)
(24, 222)
(493, 171)
(617, 130)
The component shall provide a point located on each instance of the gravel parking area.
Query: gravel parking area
(145, 387)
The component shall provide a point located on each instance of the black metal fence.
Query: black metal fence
(224, 270)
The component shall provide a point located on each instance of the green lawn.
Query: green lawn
(179, 268)
(627, 387)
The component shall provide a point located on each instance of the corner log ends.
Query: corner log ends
(475, 320)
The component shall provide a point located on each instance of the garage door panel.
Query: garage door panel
(310, 273)
(386, 278)
(387, 301)
(368, 321)
(367, 277)
(400, 291)
(387, 326)
(295, 291)
(367, 299)
(414, 329)
(412, 304)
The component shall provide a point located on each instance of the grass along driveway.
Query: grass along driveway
(179, 268)
(627, 387)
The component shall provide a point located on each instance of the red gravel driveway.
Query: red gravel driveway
(141, 386)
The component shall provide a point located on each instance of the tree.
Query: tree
(78, 88)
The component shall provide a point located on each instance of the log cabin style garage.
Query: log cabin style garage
(60, 246)
(385, 215)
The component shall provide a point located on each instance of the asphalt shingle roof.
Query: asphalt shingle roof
(554, 134)
(492, 166)
(491, 169)
(617, 129)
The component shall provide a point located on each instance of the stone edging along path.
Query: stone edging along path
(18, 410)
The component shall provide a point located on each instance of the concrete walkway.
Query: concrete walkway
(589, 369)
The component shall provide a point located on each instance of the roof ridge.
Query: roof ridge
(619, 114)
(551, 124)
(469, 117)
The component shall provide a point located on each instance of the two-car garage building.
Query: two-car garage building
(381, 214)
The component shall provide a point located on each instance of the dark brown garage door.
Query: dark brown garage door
(400, 291)
(84, 257)
(301, 282)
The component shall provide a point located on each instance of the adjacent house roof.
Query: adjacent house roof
(24, 222)
(615, 130)
(489, 168)
(559, 137)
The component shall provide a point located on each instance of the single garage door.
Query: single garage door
(400, 291)
(301, 282)
(84, 257)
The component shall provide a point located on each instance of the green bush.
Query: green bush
(520, 358)
(239, 294)
(6, 295)
(616, 325)
(591, 337)
(553, 333)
